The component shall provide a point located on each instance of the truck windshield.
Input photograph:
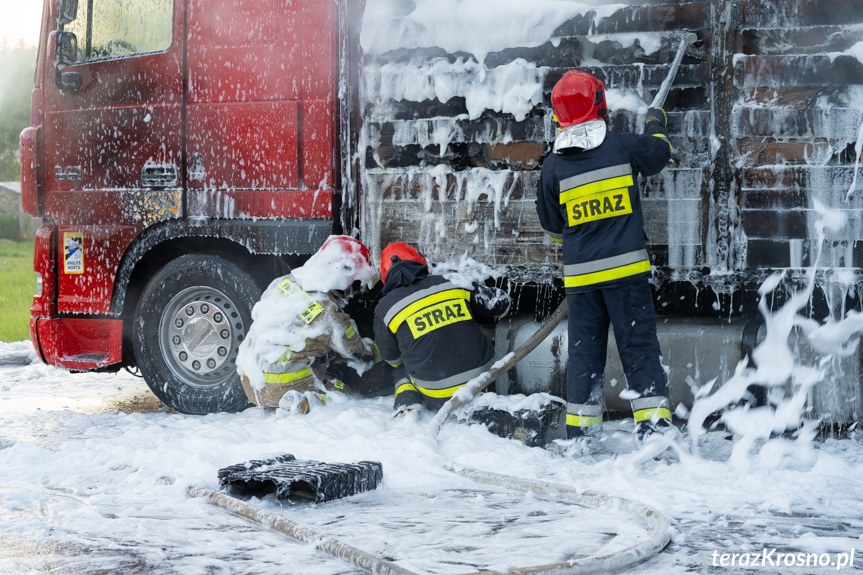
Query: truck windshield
(120, 28)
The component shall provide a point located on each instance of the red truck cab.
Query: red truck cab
(180, 153)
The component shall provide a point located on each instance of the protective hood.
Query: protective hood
(586, 136)
(404, 273)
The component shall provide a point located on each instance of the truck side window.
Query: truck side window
(109, 29)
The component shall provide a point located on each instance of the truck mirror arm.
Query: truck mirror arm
(65, 54)
(67, 82)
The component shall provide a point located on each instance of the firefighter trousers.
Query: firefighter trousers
(407, 394)
(629, 309)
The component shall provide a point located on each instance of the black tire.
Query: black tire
(189, 322)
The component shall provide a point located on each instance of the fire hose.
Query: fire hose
(687, 39)
(649, 517)
(479, 383)
(655, 522)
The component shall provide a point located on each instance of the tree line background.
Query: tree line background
(17, 67)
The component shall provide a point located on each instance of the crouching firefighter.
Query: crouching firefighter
(588, 199)
(301, 344)
(427, 326)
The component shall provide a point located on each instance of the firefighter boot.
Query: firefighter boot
(403, 411)
(583, 429)
(338, 386)
(644, 430)
(300, 402)
(652, 416)
(408, 398)
(583, 420)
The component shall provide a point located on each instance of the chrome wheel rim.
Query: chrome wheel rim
(200, 334)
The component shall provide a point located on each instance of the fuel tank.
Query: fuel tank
(696, 351)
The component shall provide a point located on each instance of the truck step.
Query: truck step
(290, 478)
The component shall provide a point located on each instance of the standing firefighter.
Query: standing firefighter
(588, 200)
(426, 324)
(301, 344)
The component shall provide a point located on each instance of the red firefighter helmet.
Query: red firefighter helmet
(398, 252)
(577, 98)
(339, 262)
(349, 245)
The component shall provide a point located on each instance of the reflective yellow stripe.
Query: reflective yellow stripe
(406, 387)
(286, 357)
(287, 377)
(554, 236)
(607, 275)
(596, 187)
(664, 137)
(582, 421)
(289, 288)
(425, 302)
(350, 332)
(314, 310)
(647, 414)
(439, 393)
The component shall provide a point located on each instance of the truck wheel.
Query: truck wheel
(189, 323)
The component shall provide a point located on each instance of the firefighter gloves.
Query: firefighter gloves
(656, 122)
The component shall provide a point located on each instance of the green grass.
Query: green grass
(17, 287)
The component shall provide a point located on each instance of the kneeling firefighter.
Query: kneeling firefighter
(427, 327)
(301, 343)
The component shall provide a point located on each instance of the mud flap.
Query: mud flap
(533, 427)
(289, 478)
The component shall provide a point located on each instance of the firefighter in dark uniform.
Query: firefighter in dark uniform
(588, 199)
(426, 326)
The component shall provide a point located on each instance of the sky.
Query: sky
(21, 22)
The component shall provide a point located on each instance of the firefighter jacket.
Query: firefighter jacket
(589, 200)
(430, 325)
(302, 366)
